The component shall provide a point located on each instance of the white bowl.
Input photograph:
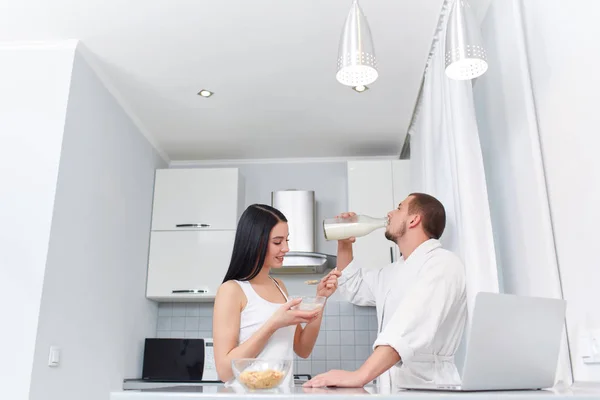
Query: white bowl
(310, 303)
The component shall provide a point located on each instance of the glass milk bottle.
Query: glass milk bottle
(355, 226)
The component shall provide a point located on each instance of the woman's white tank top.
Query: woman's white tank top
(254, 315)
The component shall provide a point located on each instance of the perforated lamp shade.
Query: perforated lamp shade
(465, 55)
(357, 64)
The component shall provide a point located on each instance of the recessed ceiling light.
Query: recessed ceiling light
(205, 93)
(360, 88)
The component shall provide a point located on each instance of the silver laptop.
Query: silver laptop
(514, 344)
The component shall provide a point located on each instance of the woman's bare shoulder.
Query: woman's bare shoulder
(229, 292)
(230, 285)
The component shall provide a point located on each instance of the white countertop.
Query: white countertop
(216, 391)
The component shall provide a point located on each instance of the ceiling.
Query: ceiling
(271, 64)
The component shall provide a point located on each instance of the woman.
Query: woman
(252, 315)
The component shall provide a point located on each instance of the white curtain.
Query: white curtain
(512, 154)
(446, 162)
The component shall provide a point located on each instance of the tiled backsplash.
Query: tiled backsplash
(345, 341)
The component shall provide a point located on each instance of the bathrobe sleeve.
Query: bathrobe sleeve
(359, 285)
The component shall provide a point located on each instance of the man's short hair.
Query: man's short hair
(432, 212)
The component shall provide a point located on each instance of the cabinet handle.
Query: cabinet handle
(192, 225)
(192, 291)
(391, 254)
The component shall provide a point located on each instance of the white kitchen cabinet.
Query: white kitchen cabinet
(196, 198)
(194, 218)
(402, 187)
(187, 265)
(374, 189)
(401, 180)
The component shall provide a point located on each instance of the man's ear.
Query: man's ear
(414, 220)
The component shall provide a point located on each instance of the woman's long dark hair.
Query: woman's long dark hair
(252, 241)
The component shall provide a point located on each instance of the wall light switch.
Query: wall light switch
(54, 356)
(590, 346)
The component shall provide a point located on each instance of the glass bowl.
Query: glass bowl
(310, 303)
(260, 374)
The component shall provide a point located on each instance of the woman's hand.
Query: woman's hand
(285, 316)
(328, 284)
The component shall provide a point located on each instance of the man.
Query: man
(420, 302)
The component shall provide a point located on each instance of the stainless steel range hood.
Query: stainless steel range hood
(299, 208)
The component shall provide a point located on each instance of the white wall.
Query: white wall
(93, 304)
(34, 87)
(562, 41)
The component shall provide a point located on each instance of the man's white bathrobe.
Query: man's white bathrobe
(421, 312)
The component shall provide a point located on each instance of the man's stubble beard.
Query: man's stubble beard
(395, 237)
